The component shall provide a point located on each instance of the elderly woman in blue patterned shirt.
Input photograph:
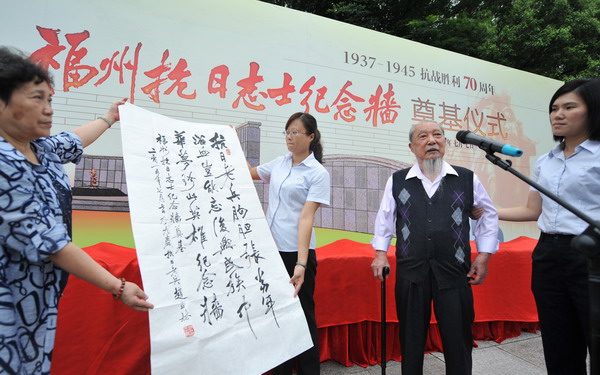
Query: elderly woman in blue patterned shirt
(35, 221)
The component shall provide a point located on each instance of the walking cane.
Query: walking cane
(386, 271)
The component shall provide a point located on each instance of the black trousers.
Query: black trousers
(559, 281)
(454, 313)
(309, 362)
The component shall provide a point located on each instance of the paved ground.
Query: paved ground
(517, 356)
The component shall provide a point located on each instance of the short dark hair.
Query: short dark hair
(16, 70)
(310, 125)
(588, 90)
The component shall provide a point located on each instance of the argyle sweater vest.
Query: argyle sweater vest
(433, 233)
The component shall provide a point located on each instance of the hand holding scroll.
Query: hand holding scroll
(297, 279)
(135, 297)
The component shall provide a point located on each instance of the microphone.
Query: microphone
(489, 145)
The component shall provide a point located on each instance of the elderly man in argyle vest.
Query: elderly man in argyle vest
(428, 206)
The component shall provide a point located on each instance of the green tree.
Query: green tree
(556, 38)
(318, 7)
(462, 33)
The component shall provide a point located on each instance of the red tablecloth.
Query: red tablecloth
(348, 302)
(96, 335)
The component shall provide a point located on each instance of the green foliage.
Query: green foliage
(554, 38)
(462, 33)
(318, 7)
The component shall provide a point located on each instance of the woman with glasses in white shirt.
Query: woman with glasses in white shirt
(298, 185)
(571, 170)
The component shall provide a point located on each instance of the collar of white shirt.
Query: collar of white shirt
(415, 171)
(588, 144)
(309, 161)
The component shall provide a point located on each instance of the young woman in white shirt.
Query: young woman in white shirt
(571, 170)
(298, 185)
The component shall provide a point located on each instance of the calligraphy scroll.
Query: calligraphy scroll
(223, 302)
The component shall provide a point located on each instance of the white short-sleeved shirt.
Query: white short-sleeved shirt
(291, 187)
(575, 180)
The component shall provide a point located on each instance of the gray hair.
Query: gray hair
(411, 132)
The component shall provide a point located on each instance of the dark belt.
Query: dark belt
(556, 236)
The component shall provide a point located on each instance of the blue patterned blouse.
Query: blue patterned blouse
(35, 209)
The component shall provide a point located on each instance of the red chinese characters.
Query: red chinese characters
(497, 121)
(120, 65)
(45, 55)
(449, 117)
(248, 85)
(307, 89)
(178, 74)
(217, 80)
(382, 107)
(76, 74)
(474, 118)
(423, 110)
(284, 92)
(450, 120)
(79, 69)
(343, 103)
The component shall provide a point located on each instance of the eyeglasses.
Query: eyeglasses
(293, 133)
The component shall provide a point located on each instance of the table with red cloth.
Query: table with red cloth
(348, 302)
(96, 335)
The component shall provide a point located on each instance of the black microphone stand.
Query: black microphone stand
(587, 243)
